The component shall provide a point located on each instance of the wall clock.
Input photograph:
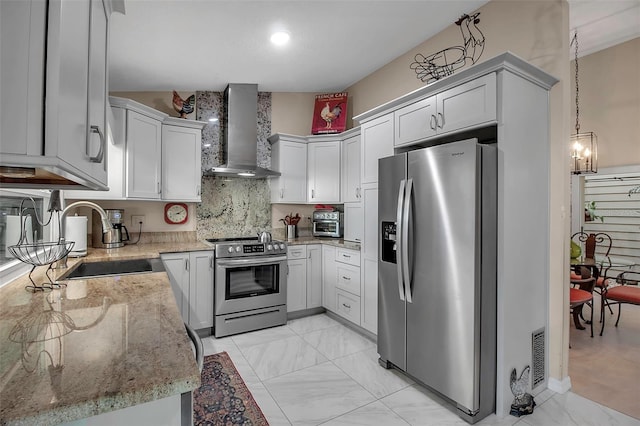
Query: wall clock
(176, 213)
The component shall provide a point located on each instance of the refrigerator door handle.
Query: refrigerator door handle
(405, 239)
(399, 228)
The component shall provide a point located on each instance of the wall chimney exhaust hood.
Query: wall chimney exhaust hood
(240, 134)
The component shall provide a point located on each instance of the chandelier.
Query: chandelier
(584, 146)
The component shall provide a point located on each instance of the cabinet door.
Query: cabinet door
(369, 295)
(468, 105)
(415, 122)
(351, 169)
(329, 277)
(314, 276)
(176, 265)
(323, 172)
(181, 166)
(22, 54)
(290, 159)
(296, 285)
(201, 289)
(369, 259)
(353, 222)
(67, 82)
(143, 156)
(377, 142)
(97, 101)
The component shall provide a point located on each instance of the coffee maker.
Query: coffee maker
(113, 239)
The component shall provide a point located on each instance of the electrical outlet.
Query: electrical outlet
(135, 221)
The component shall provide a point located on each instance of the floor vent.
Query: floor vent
(537, 357)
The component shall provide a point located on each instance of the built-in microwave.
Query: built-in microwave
(328, 223)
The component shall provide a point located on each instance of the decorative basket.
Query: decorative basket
(40, 254)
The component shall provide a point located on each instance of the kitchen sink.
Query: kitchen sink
(114, 267)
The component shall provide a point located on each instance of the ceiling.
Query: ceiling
(206, 44)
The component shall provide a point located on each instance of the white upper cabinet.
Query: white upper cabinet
(61, 45)
(143, 156)
(323, 170)
(151, 156)
(181, 159)
(351, 169)
(468, 105)
(377, 142)
(289, 157)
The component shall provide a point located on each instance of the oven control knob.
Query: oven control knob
(230, 249)
(237, 249)
(281, 246)
(269, 247)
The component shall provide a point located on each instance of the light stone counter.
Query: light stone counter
(329, 241)
(93, 346)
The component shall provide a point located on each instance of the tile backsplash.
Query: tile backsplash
(232, 206)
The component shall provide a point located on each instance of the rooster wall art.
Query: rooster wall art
(184, 107)
(329, 113)
(445, 62)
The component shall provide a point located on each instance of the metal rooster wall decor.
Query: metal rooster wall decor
(183, 106)
(445, 62)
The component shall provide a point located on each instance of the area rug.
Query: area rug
(223, 397)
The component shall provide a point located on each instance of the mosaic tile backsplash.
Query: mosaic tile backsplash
(232, 206)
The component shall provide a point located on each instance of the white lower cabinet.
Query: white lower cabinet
(296, 278)
(314, 276)
(348, 306)
(191, 277)
(344, 283)
(329, 277)
(304, 279)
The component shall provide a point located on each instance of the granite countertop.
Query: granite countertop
(93, 346)
(338, 242)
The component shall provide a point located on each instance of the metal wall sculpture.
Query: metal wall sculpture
(445, 62)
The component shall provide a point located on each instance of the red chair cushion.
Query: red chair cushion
(624, 293)
(575, 276)
(601, 282)
(577, 296)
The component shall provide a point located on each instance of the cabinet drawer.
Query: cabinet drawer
(349, 278)
(351, 257)
(348, 306)
(297, 252)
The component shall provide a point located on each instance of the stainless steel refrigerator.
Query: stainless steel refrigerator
(437, 213)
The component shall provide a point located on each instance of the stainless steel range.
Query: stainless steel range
(250, 285)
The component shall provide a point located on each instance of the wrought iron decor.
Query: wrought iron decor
(445, 62)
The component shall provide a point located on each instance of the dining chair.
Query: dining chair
(581, 295)
(628, 291)
(591, 243)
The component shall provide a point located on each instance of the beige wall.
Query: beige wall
(292, 113)
(610, 102)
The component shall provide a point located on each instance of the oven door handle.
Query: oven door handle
(250, 261)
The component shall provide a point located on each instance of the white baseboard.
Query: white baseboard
(559, 386)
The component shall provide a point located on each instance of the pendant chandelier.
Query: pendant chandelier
(584, 146)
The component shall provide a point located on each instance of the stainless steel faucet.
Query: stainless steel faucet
(106, 224)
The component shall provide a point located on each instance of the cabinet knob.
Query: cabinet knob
(441, 120)
(346, 306)
(433, 122)
(346, 278)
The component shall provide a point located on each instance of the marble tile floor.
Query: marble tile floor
(316, 371)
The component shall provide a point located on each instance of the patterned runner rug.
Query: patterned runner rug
(223, 397)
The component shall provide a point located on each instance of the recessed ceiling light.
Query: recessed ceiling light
(280, 38)
(213, 119)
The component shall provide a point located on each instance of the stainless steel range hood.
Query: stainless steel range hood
(240, 134)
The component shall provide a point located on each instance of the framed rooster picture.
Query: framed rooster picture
(329, 114)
